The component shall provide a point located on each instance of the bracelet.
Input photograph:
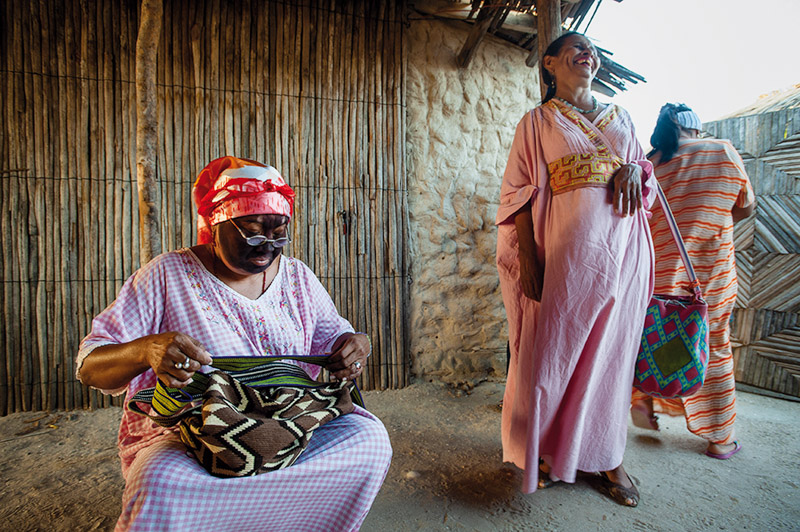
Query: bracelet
(368, 340)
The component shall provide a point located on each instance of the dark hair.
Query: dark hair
(553, 50)
(664, 139)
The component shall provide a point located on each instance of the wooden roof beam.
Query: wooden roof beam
(489, 18)
(476, 35)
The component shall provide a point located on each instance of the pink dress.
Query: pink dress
(332, 484)
(572, 355)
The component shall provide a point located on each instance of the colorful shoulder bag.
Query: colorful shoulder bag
(673, 355)
(249, 415)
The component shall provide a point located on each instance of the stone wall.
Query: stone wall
(460, 124)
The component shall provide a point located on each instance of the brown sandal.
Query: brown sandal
(617, 492)
(544, 478)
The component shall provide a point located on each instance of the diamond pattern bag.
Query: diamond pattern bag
(251, 414)
(673, 354)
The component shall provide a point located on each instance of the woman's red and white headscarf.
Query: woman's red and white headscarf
(230, 187)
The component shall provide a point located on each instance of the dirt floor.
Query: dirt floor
(60, 471)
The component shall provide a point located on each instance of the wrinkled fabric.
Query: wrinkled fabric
(332, 484)
(572, 354)
(703, 181)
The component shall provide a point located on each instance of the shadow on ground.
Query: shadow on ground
(61, 472)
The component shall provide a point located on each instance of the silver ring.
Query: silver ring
(178, 365)
(357, 365)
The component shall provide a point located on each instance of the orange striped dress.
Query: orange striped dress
(703, 181)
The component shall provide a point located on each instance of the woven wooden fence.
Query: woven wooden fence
(765, 330)
(314, 88)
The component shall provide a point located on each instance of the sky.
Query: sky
(716, 56)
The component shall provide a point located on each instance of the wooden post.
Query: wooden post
(548, 18)
(146, 122)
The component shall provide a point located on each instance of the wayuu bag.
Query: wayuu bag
(249, 415)
(673, 355)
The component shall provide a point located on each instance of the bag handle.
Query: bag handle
(694, 284)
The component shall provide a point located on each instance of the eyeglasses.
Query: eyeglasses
(259, 240)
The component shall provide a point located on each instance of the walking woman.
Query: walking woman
(708, 191)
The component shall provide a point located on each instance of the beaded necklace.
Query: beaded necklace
(576, 108)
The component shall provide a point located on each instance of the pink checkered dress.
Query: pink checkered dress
(332, 484)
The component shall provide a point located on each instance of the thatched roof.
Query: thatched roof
(515, 21)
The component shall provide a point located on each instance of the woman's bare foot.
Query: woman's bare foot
(642, 414)
(722, 452)
(617, 485)
(619, 476)
(716, 448)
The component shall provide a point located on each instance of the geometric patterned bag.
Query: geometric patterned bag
(673, 354)
(255, 414)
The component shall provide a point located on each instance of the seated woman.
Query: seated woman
(233, 294)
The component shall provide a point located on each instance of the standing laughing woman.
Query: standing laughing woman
(575, 261)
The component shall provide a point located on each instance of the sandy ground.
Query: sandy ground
(61, 472)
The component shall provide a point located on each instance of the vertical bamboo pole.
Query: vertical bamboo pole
(146, 133)
(29, 253)
(247, 144)
(69, 192)
(164, 122)
(190, 103)
(216, 130)
(89, 171)
(18, 204)
(259, 44)
(548, 22)
(401, 168)
(200, 100)
(37, 225)
(132, 195)
(7, 340)
(118, 88)
(227, 75)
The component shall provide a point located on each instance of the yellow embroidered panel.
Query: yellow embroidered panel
(582, 170)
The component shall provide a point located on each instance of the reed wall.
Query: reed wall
(765, 325)
(315, 88)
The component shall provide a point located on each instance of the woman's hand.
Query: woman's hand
(174, 357)
(349, 356)
(531, 273)
(531, 276)
(627, 189)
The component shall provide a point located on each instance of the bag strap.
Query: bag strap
(694, 284)
(256, 372)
